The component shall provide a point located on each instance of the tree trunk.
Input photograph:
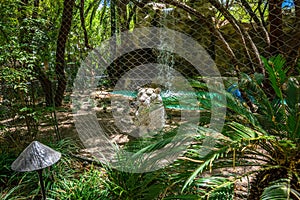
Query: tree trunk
(122, 14)
(293, 52)
(82, 21)
(276, 32)
(60, 50)
(251, 51)
(205, 21)
(111, 70)
(22, 16)
(297, 10)
(113, 16)
(258, 22)
(46, 85)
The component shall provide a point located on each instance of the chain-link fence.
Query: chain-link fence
(45, 44)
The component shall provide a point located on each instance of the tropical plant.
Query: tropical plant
(126, 185)
(87, 186)
(267, 139)
(16, 185)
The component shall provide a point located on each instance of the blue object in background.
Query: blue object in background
(288, 4)
(234, 90)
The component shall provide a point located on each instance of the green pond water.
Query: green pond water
(181, 100)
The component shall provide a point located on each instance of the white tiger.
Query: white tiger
(150, 112)
(145, 115)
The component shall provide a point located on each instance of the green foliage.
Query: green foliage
(127, 186)
(277, 73)
(17, 78)
(68, 179)
(8, 194)
(17, 185)
(268, 138)
(215, 188)
(88, 186)
(279, 190)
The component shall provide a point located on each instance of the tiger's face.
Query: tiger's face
(150, 112)
(148, 96)
(145, 114)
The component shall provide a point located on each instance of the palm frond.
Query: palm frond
(277, 74)
(240, 131)
(293, 107)
(184, 196)
(240, 110)
(279, 190)
(218, 187)
(208, 160)
(254, 88)
(266, 136)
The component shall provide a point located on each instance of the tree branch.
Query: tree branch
(82, 21)
(258, 22)
(60, 50)
(202, 19)
(243, 33)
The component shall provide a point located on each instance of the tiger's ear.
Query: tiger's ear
(139, 89)
(157, 90)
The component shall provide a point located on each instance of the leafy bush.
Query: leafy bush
(268, 138)
(88, 186)
(16, 185)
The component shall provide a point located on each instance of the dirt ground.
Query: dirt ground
(67, 129)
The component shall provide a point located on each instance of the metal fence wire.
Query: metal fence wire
(45, 43)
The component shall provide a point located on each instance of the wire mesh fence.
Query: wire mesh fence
(41, 56)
